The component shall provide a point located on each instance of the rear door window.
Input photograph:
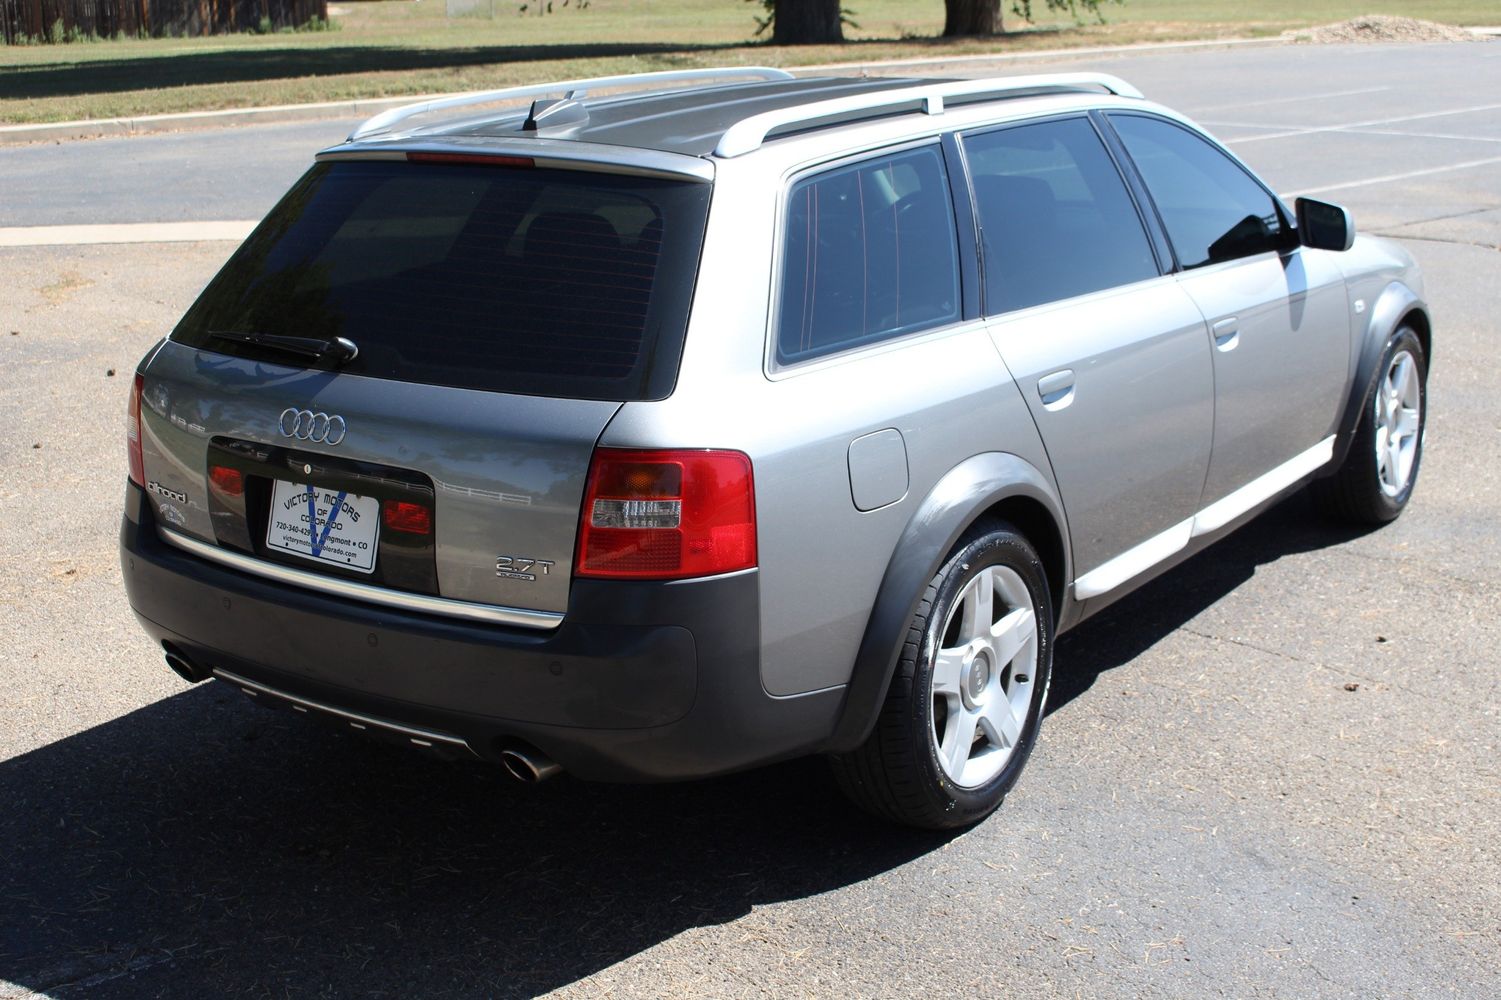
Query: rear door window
(870, 252)
(1055, 217)
(1212, 208)
(541, 282)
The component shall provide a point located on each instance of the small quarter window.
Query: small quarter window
(870, 252)
(1055, 217)
(1213, 210)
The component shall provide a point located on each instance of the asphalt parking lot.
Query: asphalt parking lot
(1272, 772)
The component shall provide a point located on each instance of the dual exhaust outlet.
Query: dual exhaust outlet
(529, 766)
(525, 764)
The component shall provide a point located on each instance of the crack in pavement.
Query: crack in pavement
(71, 979)
(1477, 586)
(1326, 668)
(1448, 215)
(1436, 239)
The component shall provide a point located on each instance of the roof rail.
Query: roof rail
(748, 134)
(574, 88)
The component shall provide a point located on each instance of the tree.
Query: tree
(983, 17)
(971, 17)
(802, 22)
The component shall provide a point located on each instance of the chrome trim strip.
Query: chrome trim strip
(1135, 561)
(1263, 487)
(488, 613)
(357, 720)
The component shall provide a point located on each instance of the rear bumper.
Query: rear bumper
(642, 681)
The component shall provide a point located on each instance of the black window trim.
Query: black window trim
(966, 244)
(1146, 208)
(1146, 211)
(1284, 216)
(966, 215)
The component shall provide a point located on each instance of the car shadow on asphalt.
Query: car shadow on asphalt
(1132, 625)
(204, 847)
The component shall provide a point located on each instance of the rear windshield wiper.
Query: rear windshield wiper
(340, 350)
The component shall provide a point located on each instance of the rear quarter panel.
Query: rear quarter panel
(821, 560)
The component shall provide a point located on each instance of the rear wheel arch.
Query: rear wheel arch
(976, 495)
(963, 710)
(1037, 523)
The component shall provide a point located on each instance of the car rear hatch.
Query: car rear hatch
(394, 388)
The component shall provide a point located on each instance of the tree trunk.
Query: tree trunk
(807, 22)
(971, 17)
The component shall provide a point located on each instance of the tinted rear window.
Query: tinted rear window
(870, 253)
(543, 282)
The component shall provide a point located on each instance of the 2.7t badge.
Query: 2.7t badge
(519, 568)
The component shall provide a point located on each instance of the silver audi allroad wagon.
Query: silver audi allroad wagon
(659, 426)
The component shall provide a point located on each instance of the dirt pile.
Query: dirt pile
(1382, 28)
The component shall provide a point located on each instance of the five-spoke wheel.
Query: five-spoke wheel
(1399, 417)
(1376, 478)
(983, 676)
(964, 706)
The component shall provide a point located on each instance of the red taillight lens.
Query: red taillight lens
(659, 515)
(137, 462)
(412, 518)
(230, 482)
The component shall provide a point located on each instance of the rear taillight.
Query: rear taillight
(137, 463)
(402, 515)
(226, 481)
(658, 515)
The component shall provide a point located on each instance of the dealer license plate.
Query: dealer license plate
(329, 526)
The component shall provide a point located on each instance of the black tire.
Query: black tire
(897, 773)
(1355, 492)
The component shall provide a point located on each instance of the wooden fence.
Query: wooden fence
(57, 20)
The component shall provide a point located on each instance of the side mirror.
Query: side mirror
(1324, 226)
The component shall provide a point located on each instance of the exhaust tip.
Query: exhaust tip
(182, 665)
(529, 766)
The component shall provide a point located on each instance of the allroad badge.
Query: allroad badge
(310, 425)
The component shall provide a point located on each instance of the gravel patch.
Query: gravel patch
(1384, 28)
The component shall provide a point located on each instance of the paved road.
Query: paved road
(1308, 117)
(1274, 772)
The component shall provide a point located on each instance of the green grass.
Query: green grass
(400, 47)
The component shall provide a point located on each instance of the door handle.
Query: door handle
(1057, 389)
(1226, 333)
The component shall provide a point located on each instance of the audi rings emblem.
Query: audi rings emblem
(305, 425)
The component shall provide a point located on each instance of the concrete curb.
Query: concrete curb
(1050, 55)
(233, 230)
(13, 135)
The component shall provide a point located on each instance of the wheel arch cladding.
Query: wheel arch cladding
(1396, 306)
(990, 486)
